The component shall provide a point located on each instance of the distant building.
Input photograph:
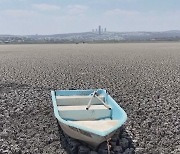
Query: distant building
(99, 30)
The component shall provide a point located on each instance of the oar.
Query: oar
(94, 95)
(89, 104)
(107, 106)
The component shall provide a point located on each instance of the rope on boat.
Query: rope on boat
(109, 146)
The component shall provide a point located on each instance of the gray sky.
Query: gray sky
(67, 16)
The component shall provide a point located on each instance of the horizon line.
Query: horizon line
(84, 32)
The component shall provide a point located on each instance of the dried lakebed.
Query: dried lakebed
(144, 78)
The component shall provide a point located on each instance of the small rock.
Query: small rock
(124, 143)
(4, 134)
(117, 149)
(17, 151)
(93, 152)
(83, 150)
(129, 151)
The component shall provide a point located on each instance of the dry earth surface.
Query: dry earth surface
(144, 78)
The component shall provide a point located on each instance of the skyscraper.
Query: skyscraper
(99, 30)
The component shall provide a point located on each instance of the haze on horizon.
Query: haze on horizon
(25, 17)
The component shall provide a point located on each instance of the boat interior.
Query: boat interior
(91, 111)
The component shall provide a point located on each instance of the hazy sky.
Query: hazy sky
(65, 16)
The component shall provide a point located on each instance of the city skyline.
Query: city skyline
(27, 17)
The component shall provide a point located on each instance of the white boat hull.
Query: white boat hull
(91, 116)
(90, 138)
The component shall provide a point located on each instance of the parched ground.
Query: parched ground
(144, 78)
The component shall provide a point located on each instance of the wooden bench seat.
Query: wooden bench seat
(80, 113)
(77, 100)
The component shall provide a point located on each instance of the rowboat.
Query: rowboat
(91, 116)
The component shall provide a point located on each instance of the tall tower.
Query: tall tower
(104, 29)
(99, 30)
